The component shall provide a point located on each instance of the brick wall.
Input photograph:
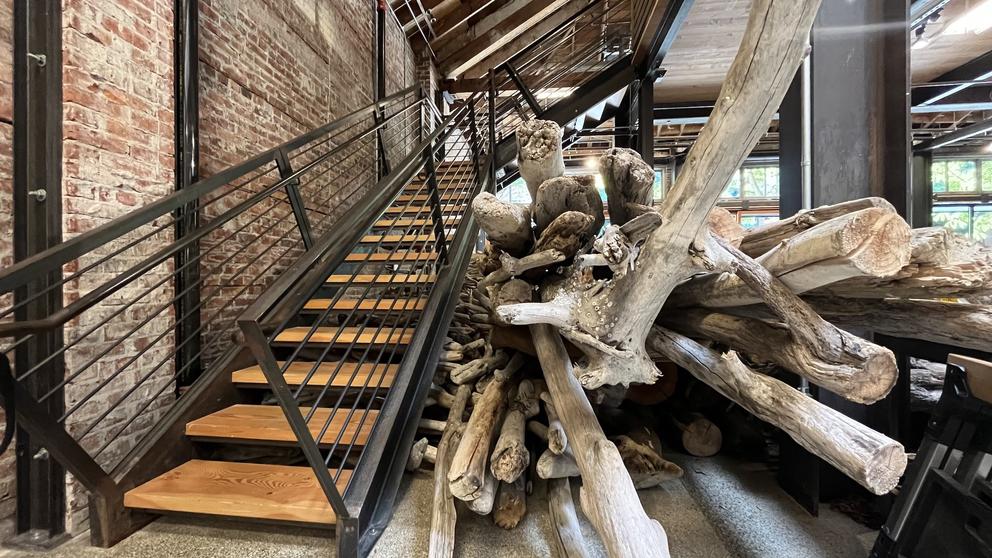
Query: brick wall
(117, 155)
(270, 70)
(7, 481)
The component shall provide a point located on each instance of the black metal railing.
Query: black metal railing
(366, 329)
(117, 366)
(298, 256)
(560, 62)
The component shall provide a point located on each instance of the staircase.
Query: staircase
(245, 349)
(398, 274)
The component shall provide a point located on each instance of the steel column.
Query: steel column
(187, 139)
(863, 44)
(645, 117)
(38, 226)
(790, 152)
(921, 191)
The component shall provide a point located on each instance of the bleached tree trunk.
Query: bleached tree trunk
(608, 496)
(874, 460)
(609, 319)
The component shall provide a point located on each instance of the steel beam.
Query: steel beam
(951, 138)
(187, 152)
(976, 70)
(656, 32)
(37, 204)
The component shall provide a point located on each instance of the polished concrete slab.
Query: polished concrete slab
(721, 509)
(757, 519)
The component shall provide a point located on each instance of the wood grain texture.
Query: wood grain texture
(391, 257)
(384, 305)
(396, 238)
(410, 222)
(366, 278)
(361, 336)
(267, 423)
(247, 490)
(338, 374)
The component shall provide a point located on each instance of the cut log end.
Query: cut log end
(883, 471)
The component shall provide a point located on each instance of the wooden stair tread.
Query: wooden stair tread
(404, 256)
(445, 196)
(243, 490)
(425, 209)
(337, 374)
(267, 423)
(394, 238)
(361, 336)
(384, 305)
(394, 279)
(407, 222)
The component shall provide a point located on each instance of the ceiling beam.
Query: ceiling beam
(951, 138)
(494, 32)
(655, 25)
(975, 70)
(524, 39)
(471, 85)
(460, 14)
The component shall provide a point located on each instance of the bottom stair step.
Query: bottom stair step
(241, 490)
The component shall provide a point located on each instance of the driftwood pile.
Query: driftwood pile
(502, 430)
(681, 282)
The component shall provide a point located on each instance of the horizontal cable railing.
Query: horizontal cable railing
(114, 338)
(363, 327)
(550, 70)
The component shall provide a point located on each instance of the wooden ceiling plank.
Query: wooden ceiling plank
(528, 14)
(497, 56)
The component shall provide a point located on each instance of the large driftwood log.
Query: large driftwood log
(568, 193)
(646, 466)
(812, 347)
(628, 181)
(468, 468)
(960, 325)
(873, 460)
(609, 319)
(511, 503)
(566, 539)
(919, 281)
(506, 224)
(867, 243)
(767, 236)
(443, 516)
(511, 457)
(723, 224)
(539, 153)
(608, 496)
(566, 234)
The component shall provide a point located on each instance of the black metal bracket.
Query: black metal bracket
(295, 201)
(524, 90)
(440, 241)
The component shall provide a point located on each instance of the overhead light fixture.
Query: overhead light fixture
(976, 20)
(988, 147)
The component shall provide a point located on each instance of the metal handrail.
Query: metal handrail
(57, 256)
(264, 201)
(288, 294)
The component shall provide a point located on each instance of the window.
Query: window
(516, 192)
(750, 220)
(753, 181)
(960, 189)
(954, 217)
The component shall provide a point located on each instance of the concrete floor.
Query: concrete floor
(721, 509)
